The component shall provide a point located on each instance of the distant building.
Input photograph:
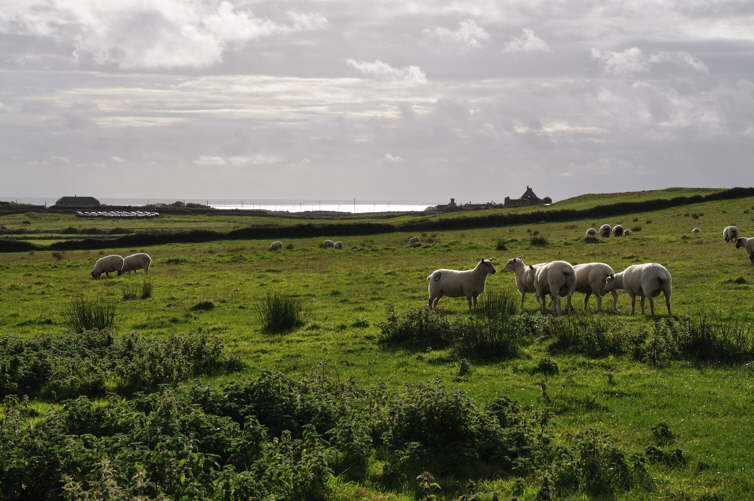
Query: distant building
(528, 198)
(77, 202)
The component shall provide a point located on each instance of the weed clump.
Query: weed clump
(420, 327)
(592, 240)
(89, 314)
(279, 312)
(495, 304)
(203, 306)
(538, 241)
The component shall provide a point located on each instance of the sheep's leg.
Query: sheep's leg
(523, 295)
(586, 301)
(571, 309)
(751, 258)
(437, 300)
(633, 304)
(470, 300)
(429, 302)
(667, 301)
(599, 302)
(556, 303)
(651, 306)
(615, 300)
(642, 305)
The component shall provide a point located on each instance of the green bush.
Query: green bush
(89, 314)
(538, 241)
(498, 338)
(279, 312)
(497, 303)
(420, 327)
(146, 289)
(593, 336)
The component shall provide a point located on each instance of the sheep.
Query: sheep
(327, 244)
(338, 244)
(591, 232)
(617, 230)
(643, 280)
(748, 245)
(107, 264)
(605, 230)
(414, 242)
(138, 261)
(455, 283)
(276, 245)
(730, 233)
(543, 279)
(696, 230)
(628, 233)
(590, 279)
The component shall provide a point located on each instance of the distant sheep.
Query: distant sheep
(591, 232)
(627, 233)
(556, 278)
(590, 279)
(107, 265)
(748, 245)
(338, 245)
(138, 261)
(327, 244)
(605, 230)
(276, 246)
(643, 280)
(730, 233)
(455, 283)
(617, 230)
(414, 242)
(696, 230)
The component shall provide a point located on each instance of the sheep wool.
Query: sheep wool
(748, 245)
(107, 265)
(730, 233)
(605, 230)
(590, 279)
(643, 280)
(138, 261)
(276, 245)
(459, 283)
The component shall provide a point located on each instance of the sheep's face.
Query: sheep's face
(94, 275)
(487, 266)
(513, 264)
(120, 272)
(740, 242)
(608, 284)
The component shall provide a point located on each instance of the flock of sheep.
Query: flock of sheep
(121, 265)
(605, 231)
(730, 234)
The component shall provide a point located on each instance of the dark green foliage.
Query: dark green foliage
(538, 241)
(279, 312)
(146, 289)
(501, 337)
(662, 433)
(497, 303)
(500, 245)
(94, 362)
(546, 366)
(592, 240)
(419, 327)
(89, 314)
(673, 459)
(592, 336)
(636, 228)
(203, 306)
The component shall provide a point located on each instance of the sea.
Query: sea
(349, 206)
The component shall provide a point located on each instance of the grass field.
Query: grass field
(346, 295)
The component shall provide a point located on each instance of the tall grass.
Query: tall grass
(89, 314)
(497, 303)
(133, 291)
(279, 312)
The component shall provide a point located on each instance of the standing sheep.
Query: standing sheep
(455, 283)
(327, 244)
(591, 232)
(106, 265)
(590, 279)
(643, 280)
(748, 245)
(338, 244)
(414, 242)
(628, 233)
(556, 278)
(730, 233)
(617, 230)
(696, 230)
(138, 261)
(605, 230)
(523, 276)
(276, 245)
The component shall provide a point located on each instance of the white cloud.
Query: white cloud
(469, 34)
(383, 71)
(210, 161)
(307, 21)
(118, 159)
(633, 60)
(238, 160)
(393, 159)
(527, 42)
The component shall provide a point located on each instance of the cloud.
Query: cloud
(383, 71)
(527, 42)
(132, 34)
(469, 34)
(210, 161)
(118, 159)
(238, 160)
(633, 60)
(393, 159)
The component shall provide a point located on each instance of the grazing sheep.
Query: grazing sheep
(605, 230)
(590, 279)
(138, 261)
(522, 275)
(327, 244)
(730, 233)
(617, 230)
(591, 232)
(748, 245)
(696, 230)
(276, 246)
(643, 280)
(542, 279)
(106, 265)
(338, 244)
(414, 242)
(628, 233)
(455, 283)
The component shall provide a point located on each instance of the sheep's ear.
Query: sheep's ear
(531, 267)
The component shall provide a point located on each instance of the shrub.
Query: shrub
(89, 314)
(497, 303)
(279, 312)
(636, 228)
(538, 241)
(497, 338)
(546, 366)
(706, 338)
(593, 337)
(203, 306)
(592, 240)
(500, 245)
(420, 326)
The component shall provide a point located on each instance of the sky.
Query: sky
(379, 99)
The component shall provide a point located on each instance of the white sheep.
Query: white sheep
(696, 230)
(327, 244)
(617, 230)
(556, 278)
(338, 244)
(456, 283)
(414, 242)
(627, 233)
(643, 280)
(605, 230)
(730, 233)
(590, 279)
(106, 265)
(276, 245)
(591, 232)
(748, 245)
(138, 261)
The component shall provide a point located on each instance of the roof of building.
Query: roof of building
(77, 201)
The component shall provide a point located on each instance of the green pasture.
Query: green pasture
(346, 294)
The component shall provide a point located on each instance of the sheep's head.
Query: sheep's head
(608, 284)
(120, 272)
(740, 242)
(94, 275)
(513, 264)
(487, 266)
